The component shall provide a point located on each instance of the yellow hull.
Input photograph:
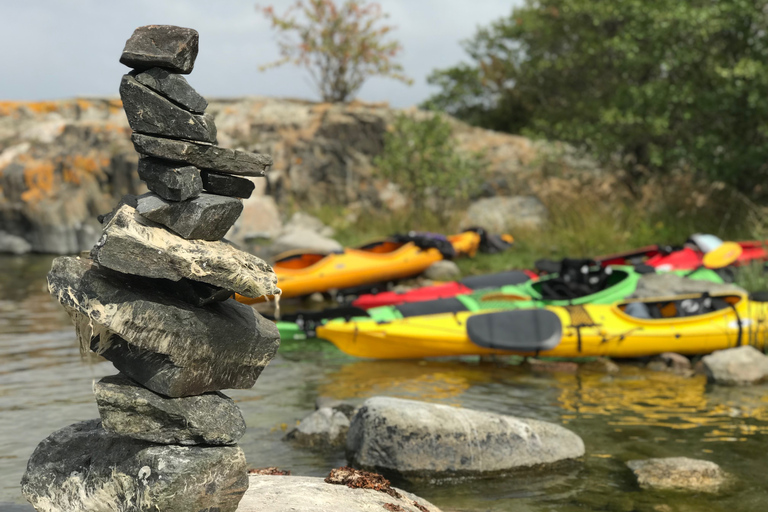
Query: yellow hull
(614, 334)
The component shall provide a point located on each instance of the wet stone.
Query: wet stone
(166, 46)
(169, 180)
(203, 156)
(149, 112)
(207, 217)
(174, 87)
(129, 409)
(226, 185)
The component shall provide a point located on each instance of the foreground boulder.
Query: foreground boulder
(736, 366)
(678, 473)
(421, 439)
(311, 494)
(129, 409)
(84, 467)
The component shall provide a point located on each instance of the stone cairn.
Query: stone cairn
(155, 297)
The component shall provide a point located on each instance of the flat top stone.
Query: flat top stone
(165, 46)
(678, 473)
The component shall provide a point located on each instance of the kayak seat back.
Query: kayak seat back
(495, 280)
(523, 330)
(431, 307)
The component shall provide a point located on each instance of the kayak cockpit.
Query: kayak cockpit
(298, 260)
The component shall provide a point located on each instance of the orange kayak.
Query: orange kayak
(301, 273)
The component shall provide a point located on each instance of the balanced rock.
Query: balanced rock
(203, 156)
(149, 112)
(736, 366)
(174, 87)
(225, 185)
(84, 467)
(680, 473)
(128, 409)
(165, 46)
(169, 180)
(324, 427)
(206, 217)
(131, 245)
(167, 345)
(423, 439)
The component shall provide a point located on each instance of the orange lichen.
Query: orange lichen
(83, 104)
(39, 179)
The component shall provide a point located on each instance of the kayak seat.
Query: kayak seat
(495, 280)
(524, 330)
(431, 307)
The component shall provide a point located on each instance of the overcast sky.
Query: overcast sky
(52, 49)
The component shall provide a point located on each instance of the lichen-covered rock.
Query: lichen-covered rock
(206, 217)
(174, 87)
(203, 156)
(421, 439)
(165, 46)
(167, 345)
(679, 473)
(226, 185)
(129, 244)
(131, 410)
(169, 180)
(312, 494)
(148, 112)
(325, 427)
(83, 467)
(736, 366)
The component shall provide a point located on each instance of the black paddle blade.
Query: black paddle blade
(520, 330)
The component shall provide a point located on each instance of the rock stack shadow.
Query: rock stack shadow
(155, 297)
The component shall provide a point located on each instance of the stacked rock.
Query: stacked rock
(155, 299)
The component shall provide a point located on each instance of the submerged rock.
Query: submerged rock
(323, 428)
(149, 112)
(226, 185)
(131, 410)
(680, 473)
(169, 180)
(165, 46)
(422, 439)
(207, 217)
(312, 494)
(736, 366)
(84, 467)
(167, 345)
(174, 87)
(203, 156)
(132, 245)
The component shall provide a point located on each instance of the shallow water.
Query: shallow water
(44, 386)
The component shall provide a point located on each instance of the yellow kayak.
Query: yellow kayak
(689, 324)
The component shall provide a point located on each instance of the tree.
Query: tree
(662, 84)
(340, 46)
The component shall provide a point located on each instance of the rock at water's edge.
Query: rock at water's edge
(736, 366)
(129, 409)
(206, 217)
(680, 473)
(169, 180)
(325, 427)
(203, 156)
(84, 467)
(421, 439)
(166, 46)
(132, 245)
(174, 87)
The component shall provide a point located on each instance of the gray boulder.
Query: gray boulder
(444, 270)
(678, 473)
(174, 87)
(668, 285)
(312, 494)
(226, 185)
(304, 239)
(203, 156)
(149, 112)
(84, 467)
(129, 409)
(165, 46)
(169, 180)
(206, 217)
(324, 427)
(133, 245)
(167, 345)
(12, 244)
(506, 214)
(422, 439)
(736, 366)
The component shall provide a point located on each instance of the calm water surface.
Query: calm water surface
(45, 385)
